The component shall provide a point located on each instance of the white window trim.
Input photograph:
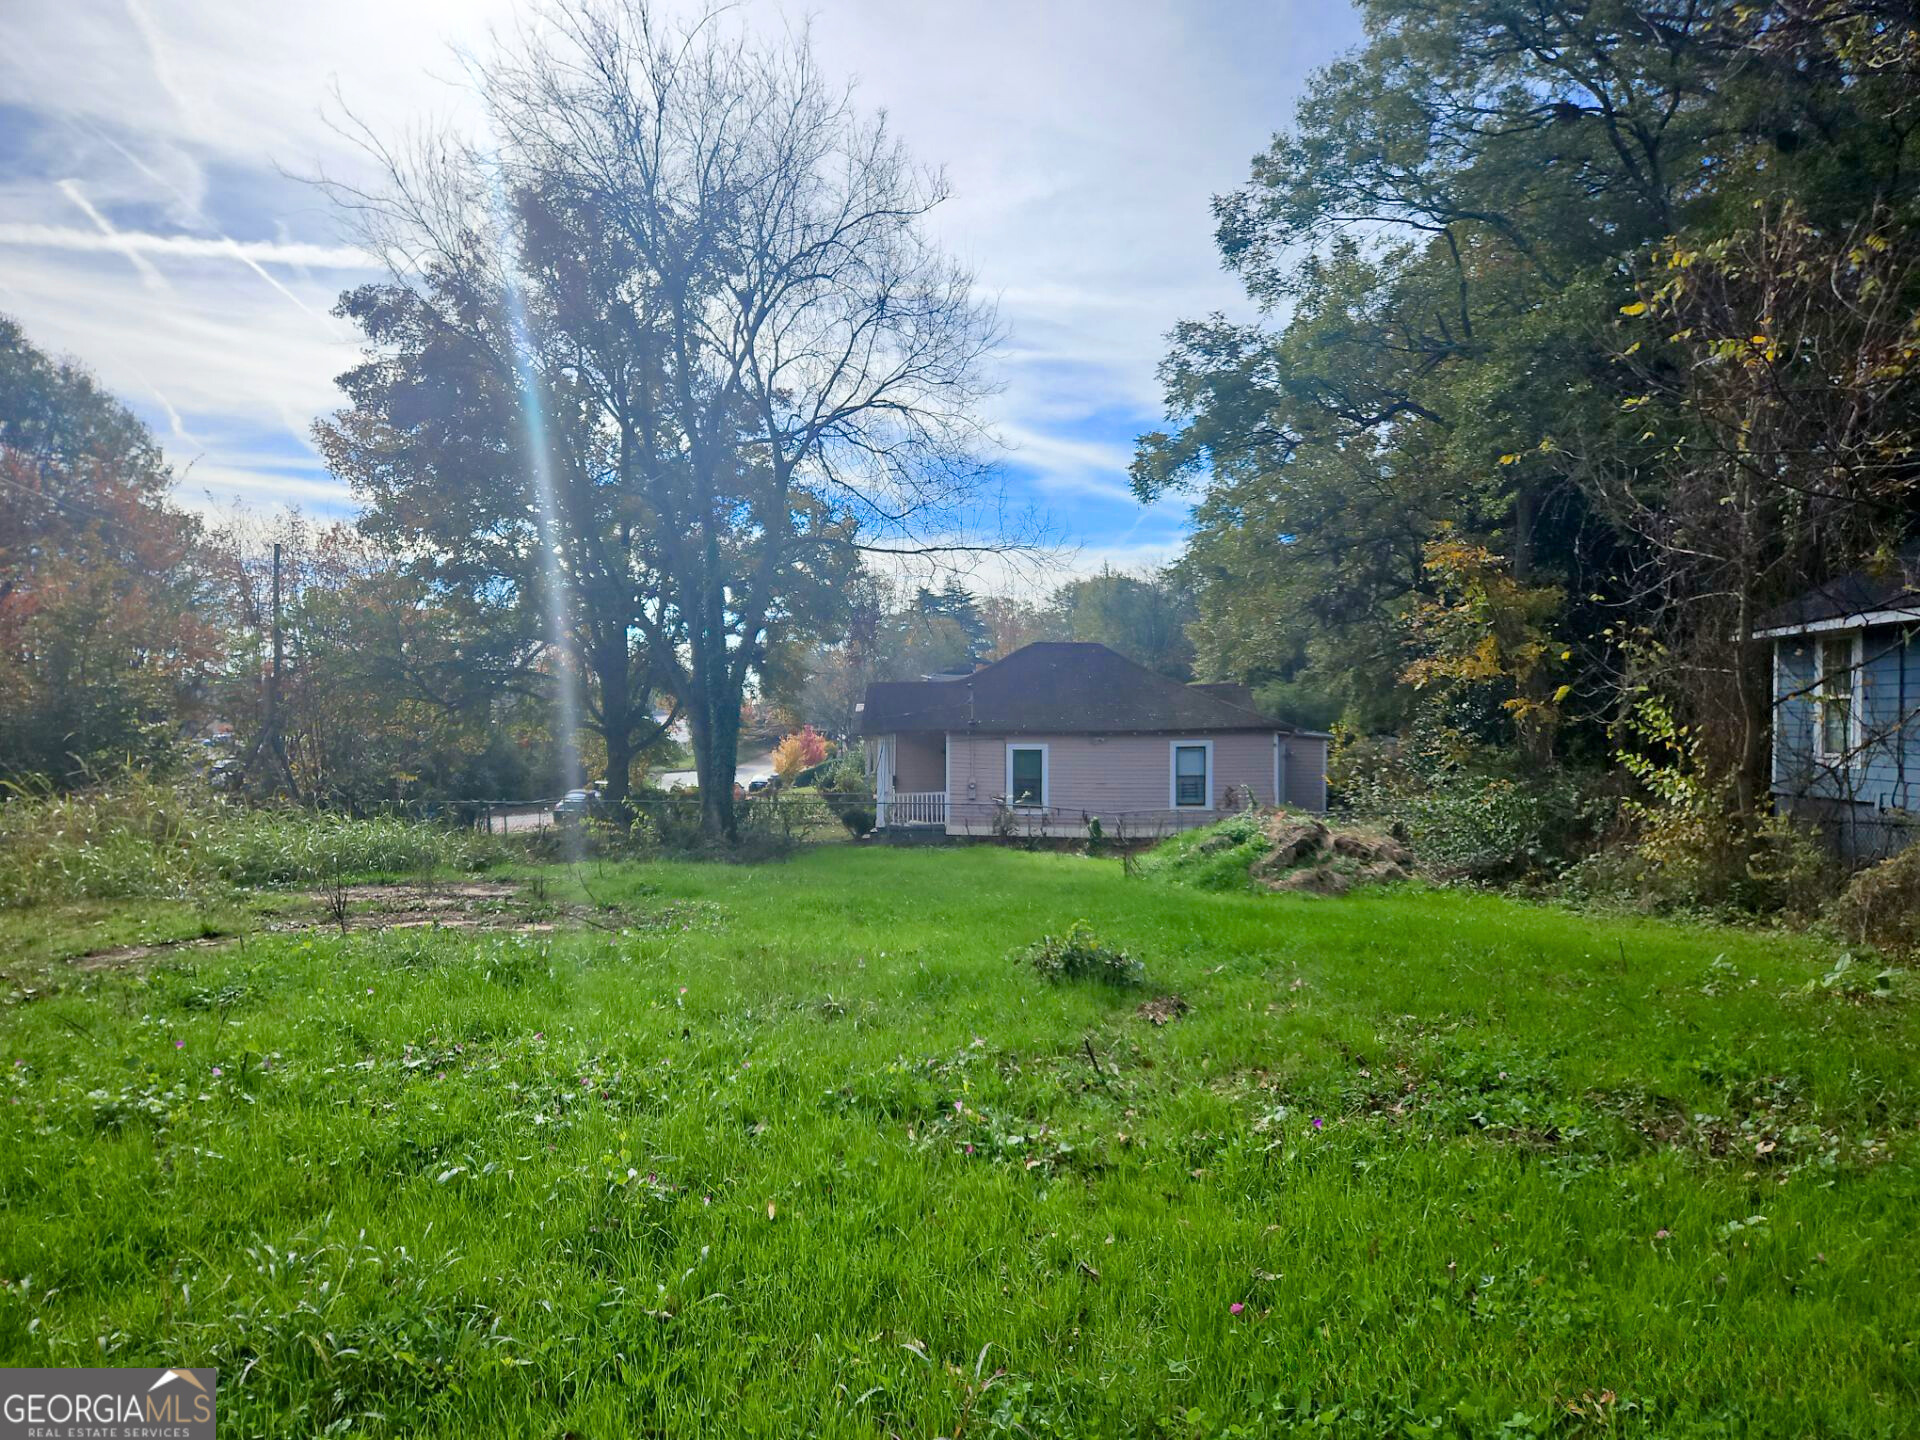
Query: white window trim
(1856, 703)
(1841, 622)
(1174, 747)
(1779, 692)
(1046, 776)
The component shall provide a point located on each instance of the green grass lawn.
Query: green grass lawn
(796, 1149)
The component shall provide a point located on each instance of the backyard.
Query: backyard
(803, 1148)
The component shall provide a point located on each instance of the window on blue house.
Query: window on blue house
(1838, 704)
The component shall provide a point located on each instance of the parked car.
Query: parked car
(754, 787)
(576, 805)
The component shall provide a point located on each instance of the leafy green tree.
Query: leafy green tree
(477, 386)
(1143, 617)
(1452, 226)
(385, 696)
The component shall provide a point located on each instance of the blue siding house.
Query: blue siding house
(1846, 708)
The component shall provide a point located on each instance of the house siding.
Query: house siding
(1861, 802)
(919, 763)
(1123, 779)
(1306, 772)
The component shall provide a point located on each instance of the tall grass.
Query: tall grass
(142, 838)
(1213, 857)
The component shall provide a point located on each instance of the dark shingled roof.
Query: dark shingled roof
(1060, 689)
(1863, 592)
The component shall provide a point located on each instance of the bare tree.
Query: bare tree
(778, 370)
(1771, 447)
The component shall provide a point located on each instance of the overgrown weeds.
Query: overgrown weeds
(1081, 955)
(1881, 906)
(142, 838)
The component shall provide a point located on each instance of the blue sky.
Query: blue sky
(149, 227)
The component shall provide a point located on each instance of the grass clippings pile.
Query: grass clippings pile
(1281, 850)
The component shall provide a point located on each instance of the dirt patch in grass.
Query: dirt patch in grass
(122, 956)
(464, 905)
(455, 895)
(1163, 1009)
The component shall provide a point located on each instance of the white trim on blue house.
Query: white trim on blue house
(1856, 703)
(1842, 622)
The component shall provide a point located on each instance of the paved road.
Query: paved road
(522, 819)
(525, 819)
(756, 767)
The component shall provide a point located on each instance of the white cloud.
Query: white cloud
(1083, 140)
(222, 489)
(290, 253)
(1066, 466)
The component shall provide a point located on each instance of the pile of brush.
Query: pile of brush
(1306, 857)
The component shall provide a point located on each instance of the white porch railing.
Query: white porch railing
(908, 807)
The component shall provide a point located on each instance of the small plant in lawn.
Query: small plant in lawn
(336, 895)
(1080, 955)
(857, 815)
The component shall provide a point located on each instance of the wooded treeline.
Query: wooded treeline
(135, 635)
(1591, 335)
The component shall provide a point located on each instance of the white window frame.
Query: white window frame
(1046, 776)
(1174, 747)
(1856, 702)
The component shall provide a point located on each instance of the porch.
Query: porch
(910, 781)
(911, 807)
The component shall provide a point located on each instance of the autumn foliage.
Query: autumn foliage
(801, 750)
(105, 643)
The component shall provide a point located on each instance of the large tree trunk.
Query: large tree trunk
(619, 740)
(716, 736)
(616, 716)
(713, 703)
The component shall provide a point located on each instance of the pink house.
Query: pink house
(1055, 734)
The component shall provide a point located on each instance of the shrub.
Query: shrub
(1470, 812)
(799, 751)
(1881, 905)
(845, 773)
(1079, 955)
(1688, 846)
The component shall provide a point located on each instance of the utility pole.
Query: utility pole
(269, 738)
(273, 675)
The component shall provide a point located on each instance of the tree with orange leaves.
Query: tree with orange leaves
(799, 751)
(105, 650)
